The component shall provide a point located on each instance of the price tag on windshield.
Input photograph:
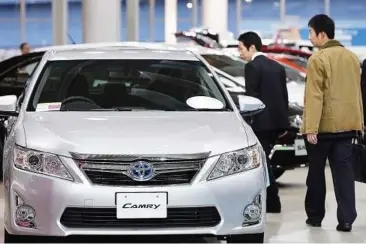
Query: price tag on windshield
(42, 107)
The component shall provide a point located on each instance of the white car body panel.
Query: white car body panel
(163, 133)
(121, 134)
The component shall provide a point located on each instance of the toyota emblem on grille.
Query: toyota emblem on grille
(141, 171)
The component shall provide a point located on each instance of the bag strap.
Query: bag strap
(359, 139)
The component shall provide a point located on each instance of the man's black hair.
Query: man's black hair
(251, 38)
(22, 45)
(322, 23)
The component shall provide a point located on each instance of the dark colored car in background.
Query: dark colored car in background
(14, 74)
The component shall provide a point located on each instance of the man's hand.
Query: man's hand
(312, 138)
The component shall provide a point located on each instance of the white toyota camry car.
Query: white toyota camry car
(118, 141)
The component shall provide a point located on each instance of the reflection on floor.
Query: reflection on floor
(289, 226)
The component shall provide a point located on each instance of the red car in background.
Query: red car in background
(293, 71)
(287, 51)
(294, 62)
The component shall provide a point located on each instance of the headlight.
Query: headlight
(236, 162)
(40, 162)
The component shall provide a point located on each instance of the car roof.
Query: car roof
(75, 46)
(152, 45)
(181, 46)
(118, 51)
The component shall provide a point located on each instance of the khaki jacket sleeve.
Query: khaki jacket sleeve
(313, 101)
(361, 106)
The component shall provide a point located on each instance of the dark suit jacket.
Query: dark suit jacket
(363, 88)
(265, 79)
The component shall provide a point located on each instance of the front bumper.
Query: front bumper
(50, 197)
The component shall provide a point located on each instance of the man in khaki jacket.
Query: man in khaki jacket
(333, 115)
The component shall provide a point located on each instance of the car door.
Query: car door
(15, 72)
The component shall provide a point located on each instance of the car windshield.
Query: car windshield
(125, 85)
(230, 65)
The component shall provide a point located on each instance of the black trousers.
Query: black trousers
(267, 139)
(340, 155)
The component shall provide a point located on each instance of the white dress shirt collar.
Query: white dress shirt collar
(257, 54)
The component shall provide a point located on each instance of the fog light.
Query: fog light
(24, 216)
(253, 212)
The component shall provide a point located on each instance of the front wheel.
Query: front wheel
(1, 160)
(9, 238)
(250, 238)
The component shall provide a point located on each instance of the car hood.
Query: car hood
(136, 132)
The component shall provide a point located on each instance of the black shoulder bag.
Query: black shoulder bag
(359, 164)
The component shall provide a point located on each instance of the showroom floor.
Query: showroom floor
(290, 225)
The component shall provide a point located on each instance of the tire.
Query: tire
(1, 160)
(278, 173)
(250, 238)
(9, 238)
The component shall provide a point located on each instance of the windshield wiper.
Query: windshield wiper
(210, 109)
(123, 109)
(112, 109)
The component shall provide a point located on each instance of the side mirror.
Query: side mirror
(250, 106)
(8, 105)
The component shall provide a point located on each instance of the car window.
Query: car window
(84, 85)
(228, 64)
(293, 74)
(221, 61)
(226, 82)
(29, 68)
(19, 75)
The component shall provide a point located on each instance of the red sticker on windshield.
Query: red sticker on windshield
(42, 107)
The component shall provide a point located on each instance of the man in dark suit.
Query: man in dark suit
(265, 79)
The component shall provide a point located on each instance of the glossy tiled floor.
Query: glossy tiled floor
(289, 226)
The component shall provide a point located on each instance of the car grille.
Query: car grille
(117, 179)
(167, 170)
(106, 218)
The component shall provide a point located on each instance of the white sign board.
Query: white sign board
(143, 205)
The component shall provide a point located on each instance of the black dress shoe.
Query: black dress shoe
(273, 206)
(345, 227)
(273, 210)
(313, 223)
